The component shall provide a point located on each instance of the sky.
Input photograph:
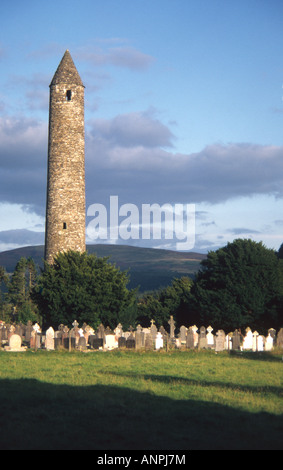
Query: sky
(183, 106)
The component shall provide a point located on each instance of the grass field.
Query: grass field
(122, 400)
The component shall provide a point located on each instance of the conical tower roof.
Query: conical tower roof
(67, 72)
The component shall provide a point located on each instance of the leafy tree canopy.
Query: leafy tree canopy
(172, 300)
(240, 285)
(82, 287)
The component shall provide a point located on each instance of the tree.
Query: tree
(20, 287)
(4, 308)
(172, 300)
(82, 287)
(240, 285)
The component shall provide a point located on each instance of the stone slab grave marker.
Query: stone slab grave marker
(138, 337)
(131, 342)
(236, 341)
(210, 337)
(35, 340)
(122, 342)
(159, 341)
(248, 339)
(183, 335)
(202, 338)
(49, 339)
(190, 342)
(172, 328)
(269, 342)
(196, 335)
(15, 344)
(220, 341)
(279, 342)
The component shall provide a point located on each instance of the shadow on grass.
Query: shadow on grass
(37, 415)
(169, 379)
(276, 356)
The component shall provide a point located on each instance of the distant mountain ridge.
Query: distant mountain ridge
(149, 268)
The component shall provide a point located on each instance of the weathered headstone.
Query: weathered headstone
(131, 342)
(15, 344)
(82, 345)
(122, 342)
(196, 335)
(202, 338)
(138, 337)
(118, 331)
(49, 339)
(220, 341)
(96, 343)
(100, 333)
(190, 341)
(255, 341)
(210, 338)
(172, 327)
(279, 341)
(248, 339)
(260, 343)
(236, 340)
(183, 334)
(159, 341)
(148, 343)
(153, 331)
(268, 343)
(110, 341)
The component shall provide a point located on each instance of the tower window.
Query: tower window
(64, 226)
(68, 95)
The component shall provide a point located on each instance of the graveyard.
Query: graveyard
(143, 389)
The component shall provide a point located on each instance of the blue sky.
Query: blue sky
(184, 105)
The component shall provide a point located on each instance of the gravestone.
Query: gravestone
(49, 339)
(165, 336)
(131, 342)
(196, 335)
(172, 328)
(190, 341)
(118, 331)
(210, 338)
(110, 341)
(236, 341)
(202, 338)
(148, 344)
(279, 342)
(138, 337)
(260, 343)
(248, 339)
(220, 341)
(183, 334)
(82, 345)
(121, 342)
(100, 333)
(97, 343)
(272, 333)
(15, 344)
(255, 341)
(153, 331)
(268, 343)
(159, 341)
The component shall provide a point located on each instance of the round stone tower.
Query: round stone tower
(65, 208)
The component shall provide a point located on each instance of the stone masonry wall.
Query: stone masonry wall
(65, 212)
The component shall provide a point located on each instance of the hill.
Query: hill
(148, 268)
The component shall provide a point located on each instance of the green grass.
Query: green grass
(122, 400)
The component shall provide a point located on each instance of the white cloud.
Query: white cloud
(120, 56)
